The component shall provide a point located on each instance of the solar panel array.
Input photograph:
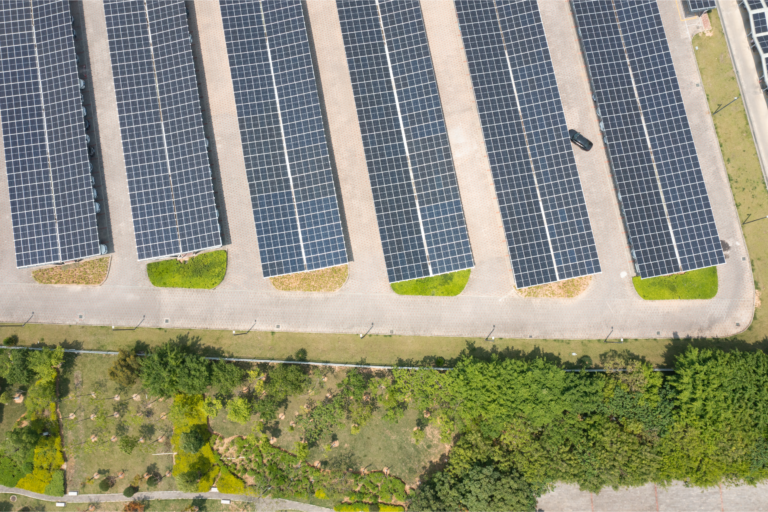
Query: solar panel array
(46, 157)
(416, 195)
(661, 188)
(758, 20)
(161, 125)
(701, 5)
(281, 126)
(537, 185)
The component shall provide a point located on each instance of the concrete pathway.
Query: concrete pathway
(261, 504)
(609, 307)
(651, 498)
(745, 62)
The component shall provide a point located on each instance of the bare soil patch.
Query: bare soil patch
(567, 289)
(89, 272)
(323, 280)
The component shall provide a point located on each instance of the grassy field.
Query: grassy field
(698, 284)
(445, 285)
(24, 504)
(204, 271)
(738, 150)
(91, 272)
(323, 280)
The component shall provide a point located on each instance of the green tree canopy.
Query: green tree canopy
(173, 368)
(125, 369)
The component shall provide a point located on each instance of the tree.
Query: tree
(14, 368)
(126, 368)
(239, 410)
(174, 368)
(105, 485)
(191, 441)
(134, 506)
(480, 488)
(187, 482)
(11, 341)
(212, 405)
(127, 444)
(226, 376)
(129, 491)
(44, 363)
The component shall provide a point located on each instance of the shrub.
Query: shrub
(10, 474)
(187, 482)
(320, 494)
(191, 441)
(129, 491)
(105, 485)
(153, 481)
(57, 484)
(239, 410)
(11, 341)
(229, 483)
(383, 507)
(352, 507)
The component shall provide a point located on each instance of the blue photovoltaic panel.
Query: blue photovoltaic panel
(286, 153)
(52, 208)
(701, 5)
(761, 25)
(416, 195)
(161, 125)
(762, 41)
(542, 204)
(656, 167)
(754, 4)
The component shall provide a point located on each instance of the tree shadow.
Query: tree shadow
(677, 346)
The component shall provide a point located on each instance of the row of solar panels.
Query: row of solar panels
(416, 197)
(701, 5)
(758, 36)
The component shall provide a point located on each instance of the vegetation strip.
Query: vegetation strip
(696, 284)
(204, 271)
(444, 285)
(313, 363)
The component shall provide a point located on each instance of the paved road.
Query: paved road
(262, 504)
(748, 70)
(650, 498)
(610, 304)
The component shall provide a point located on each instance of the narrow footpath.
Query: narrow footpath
(262, 504)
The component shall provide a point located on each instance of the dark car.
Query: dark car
(580, 140)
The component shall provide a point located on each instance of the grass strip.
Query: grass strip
(91, 272)
(445, 285)
(738, 149)
(697, 284)
(204, 271)
(323, 280)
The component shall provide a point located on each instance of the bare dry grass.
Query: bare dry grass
(567, 289)
(91, 272)
(323, 280)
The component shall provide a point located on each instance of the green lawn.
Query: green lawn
(737, 146)
(697, 284)
(445, 285)
(204, 271)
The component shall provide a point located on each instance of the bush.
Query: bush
(239, 410)
(57, 484)
(153, 481)
(10, 473)
(204, 271)
(229, 483)
(129, 491)
(352, 507)
(105, 485)
(191, 441)
(11, 341)
(383, 507)
(127, 444)
(320, 494)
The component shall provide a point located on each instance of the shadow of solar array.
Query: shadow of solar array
(164, 146)
(416, 196)
(661, 188)
(46, 156)
(758, 21)
(281, 126)
(537, 185)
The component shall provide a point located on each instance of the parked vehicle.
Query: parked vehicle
(580, 140)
